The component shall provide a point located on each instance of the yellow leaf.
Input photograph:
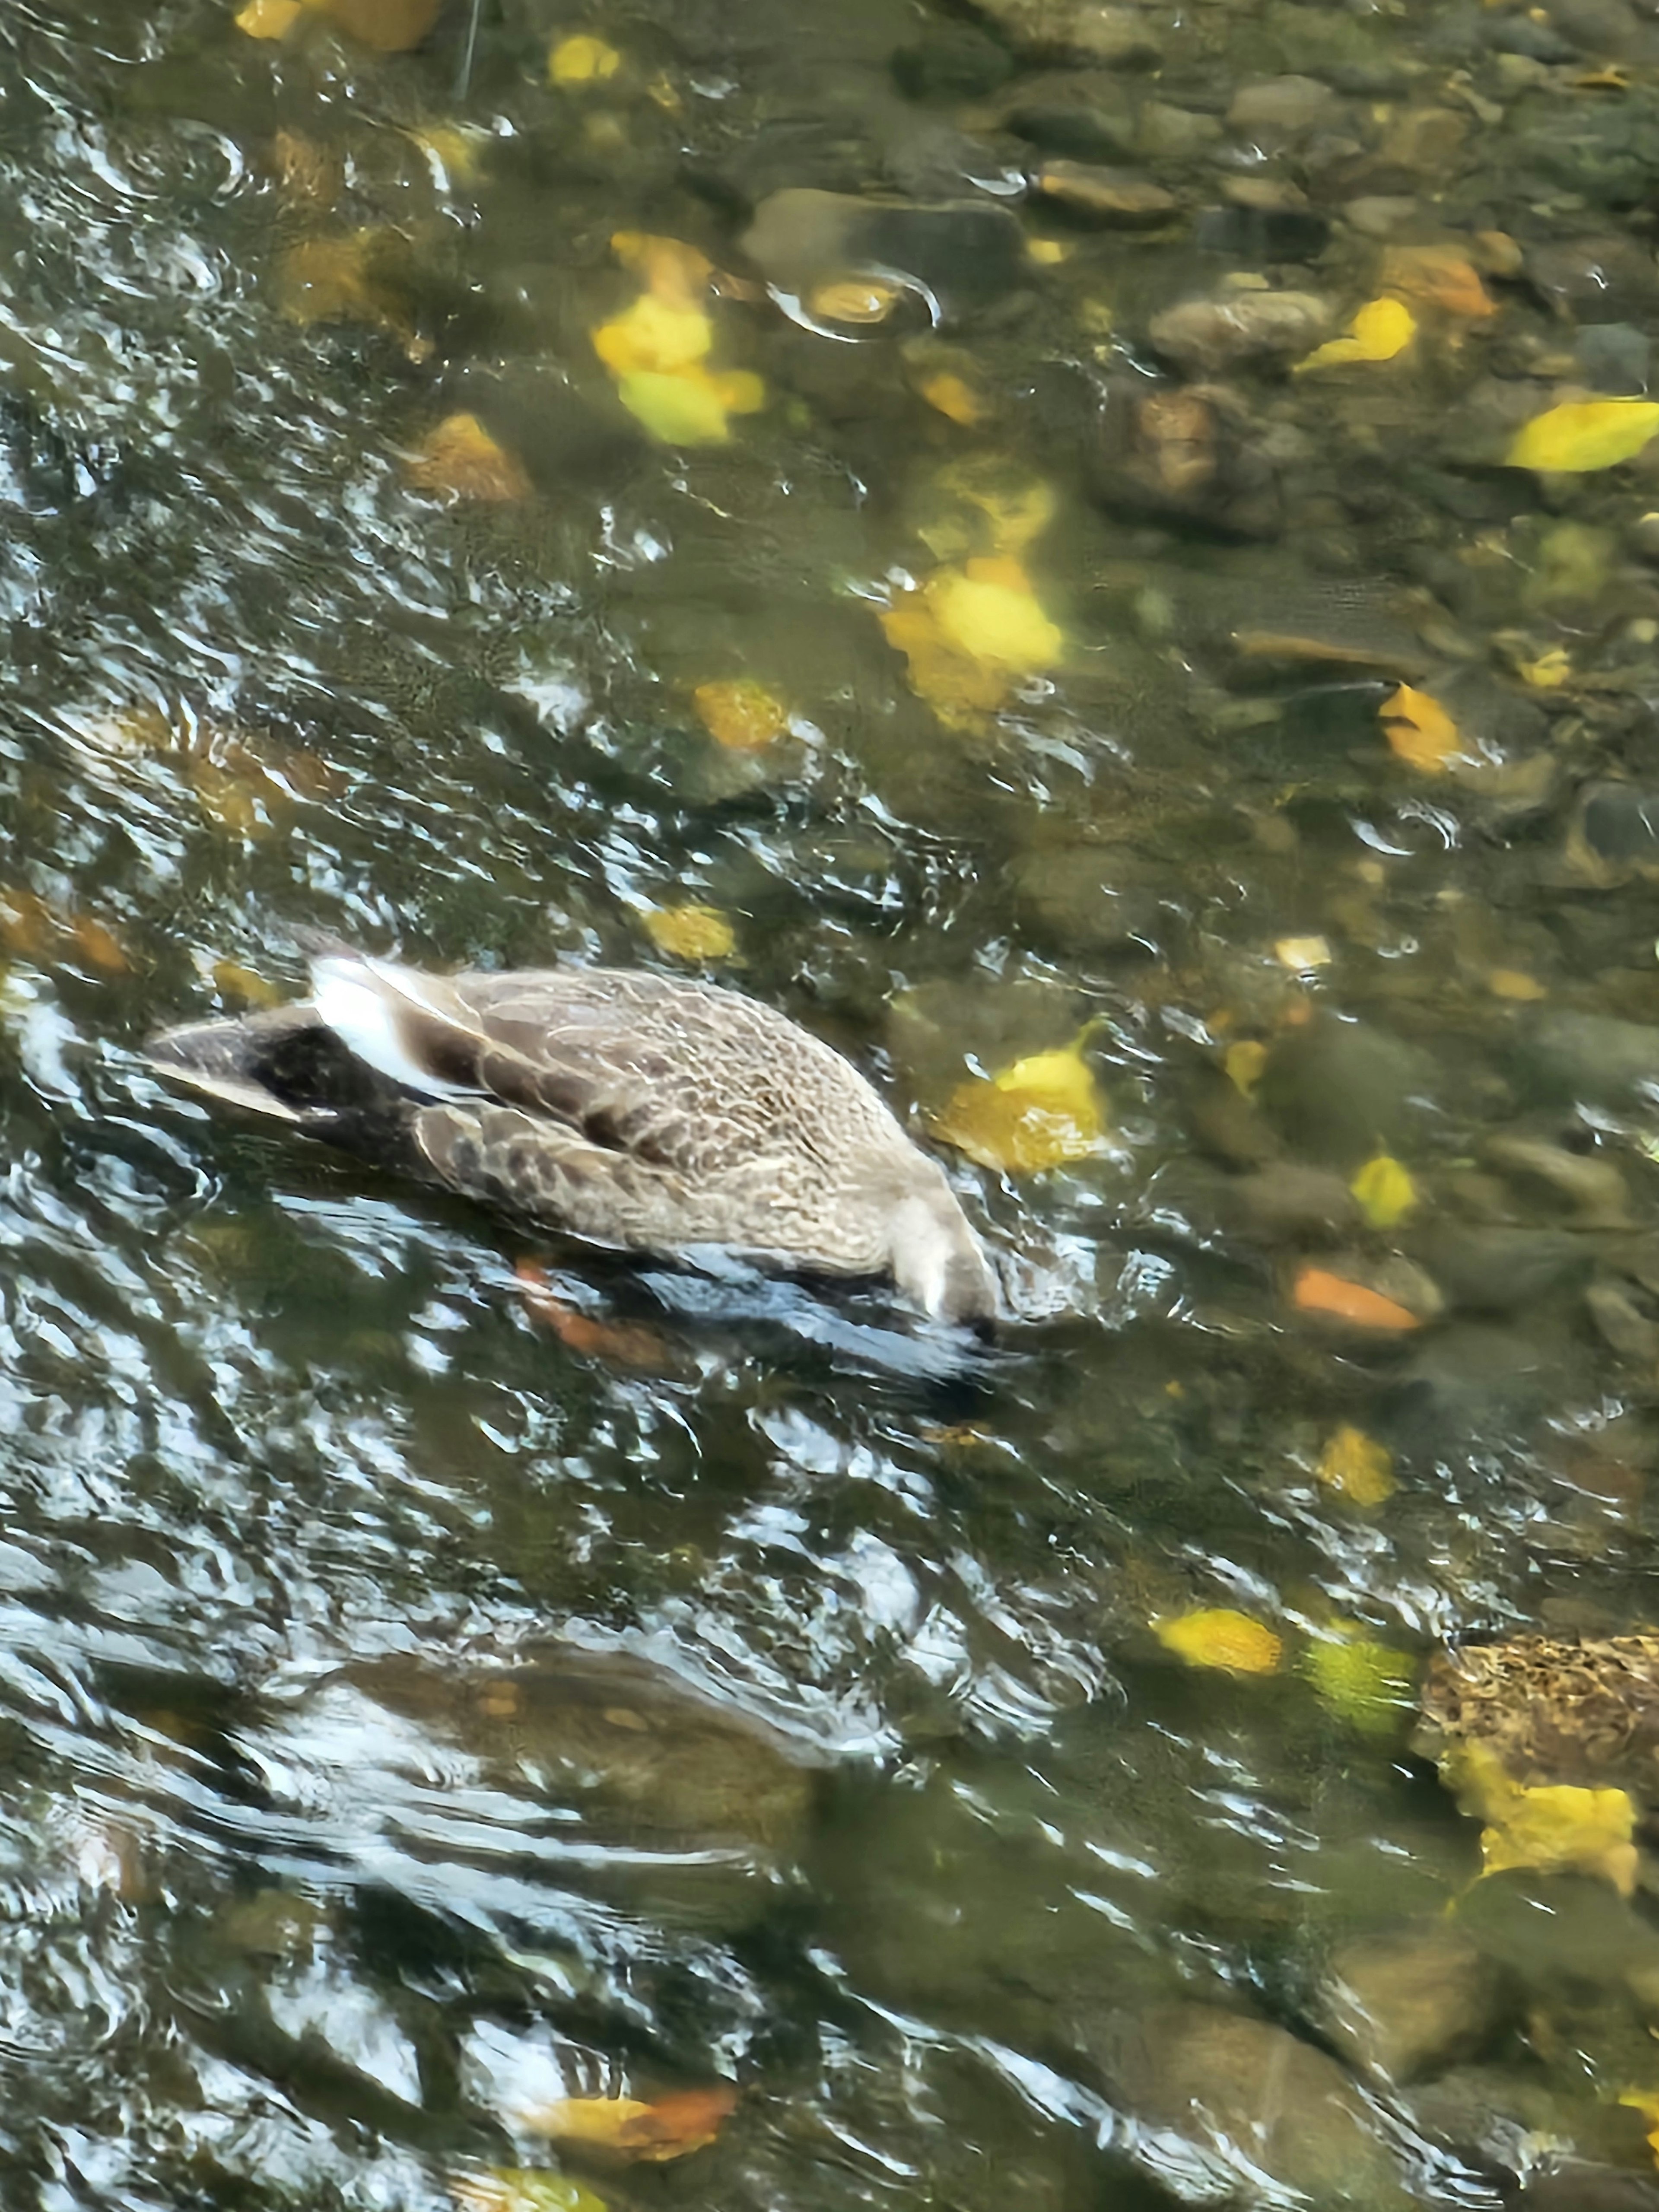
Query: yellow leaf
(270, 19)
(742, 716)
(988, 609)
(1221, 1638)
(691, 933)
(1366, 1683)
(1585, 434)
(670, 268)
(1038, 1113)
(1645, 2101)
(1549, 671)
(1356, 1468)
(1385, 1191)
(390, 26)
(667, 2129)
(1018, 510)
(1513, 983)
(582, 59)
(1419, 729)
(1302, 955)
(461, 458)
(655, 335)
(954, 398)
(1244, 1063)
(242, 986)
(1047, 253)
(1556, 1827)
(456, 152)
(1383, 329)
(679, 410)
(1560, 1829)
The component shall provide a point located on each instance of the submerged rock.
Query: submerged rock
(1583, 1711)
(959, 254)
(1185, 455)
(1411, 2001)
(1076, 31)
(1114, 197)
(1211, 335)
(1252, 2101)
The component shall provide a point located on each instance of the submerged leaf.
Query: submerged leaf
(1383, 329)
(1360, 1680)
(1038, 1113)
(1218, 1637)
(270, 19)
(1555, 1826)
(1385, 1191)
(691, 933)
(1441, 277)
(743, 716)
(1316, 1290)
(1356, 1468)
(657, 350)
(1585, 434)
(655, 334)
(668, 267)
(1246, 1062)
(953, 397)
(668, 2128)
(582, 59)
(461, 458)
(969, 633)
(1419, 729)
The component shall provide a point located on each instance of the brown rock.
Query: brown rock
(1410, 2003)
(1104, 196)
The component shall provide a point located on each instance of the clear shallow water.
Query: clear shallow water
(410, 1717)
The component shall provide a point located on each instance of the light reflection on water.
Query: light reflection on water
(321, 1861)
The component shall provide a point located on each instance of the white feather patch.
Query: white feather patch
(353, 997)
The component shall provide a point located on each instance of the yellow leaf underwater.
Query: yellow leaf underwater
(1366, 1684)
(1356, 1468)
(970, 633)
(1038, 1113)
(691, 933)
(667, 267)
(461, 458)
(1222, 1638)
(1556, 1827)
(1645, 2101)
(658, 349)
(1584, 434)
(582, 59)
(1419, 729)
(742, 716)
(522, 2189)
(1385, 1191)
(954, 398)
(1381, 330)
(270, 19)
(1246, 1063)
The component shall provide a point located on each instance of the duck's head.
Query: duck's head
(936, 1258)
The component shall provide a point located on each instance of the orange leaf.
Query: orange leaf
(671, 2127)
(1318, 1290)
(1419, 729)
(460, 457)
(1441, 276)
(622, 1342)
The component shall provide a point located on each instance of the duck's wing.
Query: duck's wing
(682, 1077)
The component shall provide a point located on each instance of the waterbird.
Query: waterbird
(647, 1113)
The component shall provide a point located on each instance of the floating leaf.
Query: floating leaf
(742, 716)
(582, 59)
(1036, 1114)
(1383, 329)
(1316, 1290)
(461, 458)
(1441, 276)
(522, 2189)
(1367, 1684)
(1356, 1468)
(1221, 1638)
(1585, 434)
(668, 2128)
(691, 933)
(1385, 1191)
(1419, 729)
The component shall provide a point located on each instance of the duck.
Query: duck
(651, 1114)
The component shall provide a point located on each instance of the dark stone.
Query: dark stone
(1256, 234)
